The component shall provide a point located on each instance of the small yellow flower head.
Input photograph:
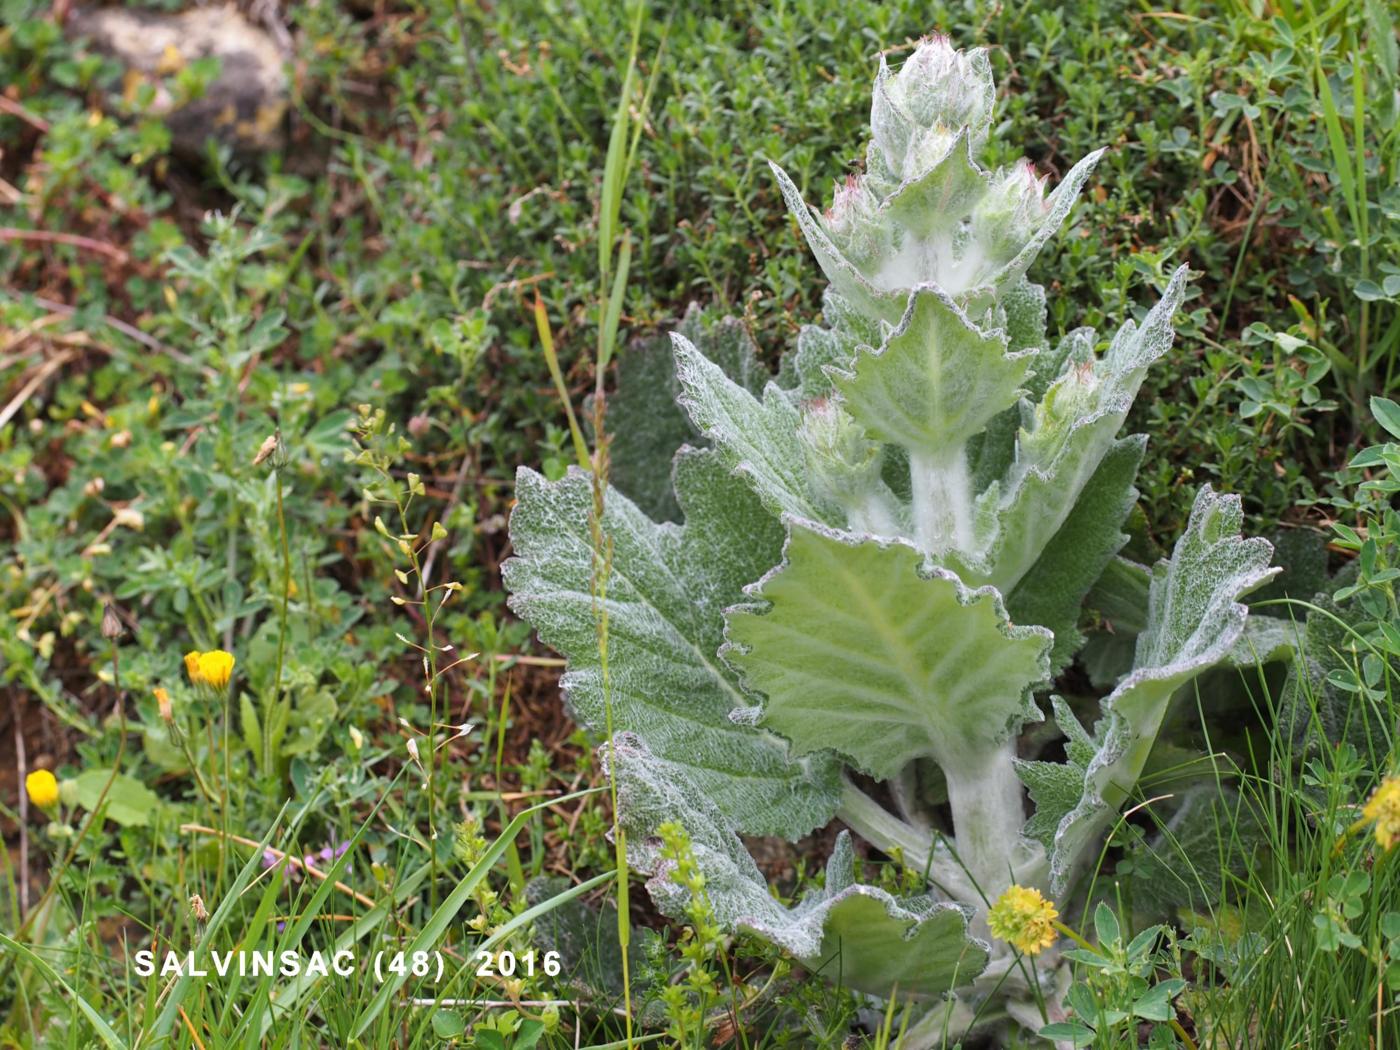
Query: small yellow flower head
(42, 788)
(215, 667)
(1024, 919)
(1383, 810)
(212, 668)
(163, 701)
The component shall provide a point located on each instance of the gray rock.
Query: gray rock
(244, 108)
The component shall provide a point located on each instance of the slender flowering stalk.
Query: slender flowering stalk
(165, 706)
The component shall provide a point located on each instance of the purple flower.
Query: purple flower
(321, 859)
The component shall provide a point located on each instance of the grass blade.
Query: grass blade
(436, 926)
(109, 1037)
(614, 311)
(552, 360)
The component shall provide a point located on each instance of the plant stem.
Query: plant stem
(916, 849)
(1181, 1034)
(1074, 935)
(985, 797)
(286, 597)
(96, 813)
(942, 500)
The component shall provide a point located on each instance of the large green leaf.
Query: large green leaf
(666, 590)
(864, 935)
(860, 650)
(1194, 621)
(937, 380)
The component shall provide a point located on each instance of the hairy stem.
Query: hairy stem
(985, 796)
(942, 501)
(916, 848)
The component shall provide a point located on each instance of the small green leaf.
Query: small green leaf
(1073, 1031)
(1387, 414)
(129, 802)
(1106, 926)
(1156, 1005)
(448, 1024)
(527, 1035)
(1085, 957)
(1143, 942)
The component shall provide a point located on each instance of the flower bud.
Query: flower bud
(267, 448)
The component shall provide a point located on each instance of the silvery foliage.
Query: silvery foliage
(883, 557)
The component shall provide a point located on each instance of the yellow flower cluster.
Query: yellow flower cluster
(1383, 810)
(42, 787)
(212, 668)
(1024, 919)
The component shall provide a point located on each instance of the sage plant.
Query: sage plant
(884, 558)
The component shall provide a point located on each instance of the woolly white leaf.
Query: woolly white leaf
(1060, 447)
(666, 591)
(859, 650)
(936, 381)
(1194, 620)
(759, 439)
(860, 934)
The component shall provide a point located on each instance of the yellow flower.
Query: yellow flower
(42, 788)
(1024, 919)
(215, 667)
(212, 668)
(1383, 810)
(163, 700)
